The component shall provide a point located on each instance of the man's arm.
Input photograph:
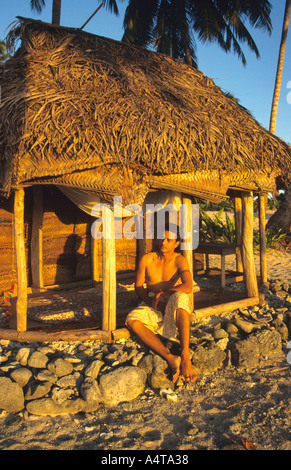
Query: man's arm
(140, 280)
(186, 284)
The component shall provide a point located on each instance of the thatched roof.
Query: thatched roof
(84, 110)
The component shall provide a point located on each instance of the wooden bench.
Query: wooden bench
(221, 249)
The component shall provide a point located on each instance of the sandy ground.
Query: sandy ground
(225, 410)
(278, 263)
(229, 409)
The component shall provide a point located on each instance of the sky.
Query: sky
(252, 85)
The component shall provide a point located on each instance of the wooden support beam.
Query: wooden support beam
(224, 308)
(37, 238)
(108, 270)
(187, 224)
(21, 304)
(238, 231)
(263, 246)
(247, 245)
(141, 243)
(45, 336)
(120, 333)
(95, 270)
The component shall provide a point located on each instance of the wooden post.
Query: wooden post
(263, 247)
(36, 238)
(247, 245)
(108, 270)
(94, 256)
(222, 270)
(21, 305)
(238, 231)
(141, 243)
(188, 253)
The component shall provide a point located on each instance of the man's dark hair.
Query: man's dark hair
(173, 228)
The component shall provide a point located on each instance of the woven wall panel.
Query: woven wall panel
(7, 255)
(66, 238)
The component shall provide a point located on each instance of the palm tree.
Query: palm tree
(171, 26)
(56, 14)
(4, 55)
(281, 57)
(38, 5)
(282, 217)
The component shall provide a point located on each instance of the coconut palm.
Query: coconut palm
(282, 217)
(56, 11)
(173, 26)
(280, 67)
(4, 55)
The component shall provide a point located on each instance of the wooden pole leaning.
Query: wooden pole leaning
(95, 271)
(263, 245)
(238, 231)
(21, 304)
(37, 238)
(187, 223)
(108, 270)
(247, 245)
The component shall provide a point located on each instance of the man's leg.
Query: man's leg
(153, 342)
(183, 325)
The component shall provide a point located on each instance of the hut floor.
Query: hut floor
(81, 308)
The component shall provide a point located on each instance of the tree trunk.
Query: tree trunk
(56, 15)
(280, 67)
(282, 217)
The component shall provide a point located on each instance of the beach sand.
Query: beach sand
(278, 262)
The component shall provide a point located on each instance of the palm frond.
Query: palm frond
(37, 5)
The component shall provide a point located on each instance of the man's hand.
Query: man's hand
(157, 304)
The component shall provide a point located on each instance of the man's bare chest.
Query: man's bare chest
(158, 272)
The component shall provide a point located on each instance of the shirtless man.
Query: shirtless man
(165, 307)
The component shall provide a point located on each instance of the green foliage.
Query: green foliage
(4, 55)
(215, 230)
(174, 27)
(37, 5)
(226, 204)
(272, 237)
(275, 201)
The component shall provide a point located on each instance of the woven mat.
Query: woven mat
(63, 307)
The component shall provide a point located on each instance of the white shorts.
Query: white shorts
(162, 324)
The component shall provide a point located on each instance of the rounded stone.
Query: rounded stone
(37, 360)
(123, 384)
(11, 395)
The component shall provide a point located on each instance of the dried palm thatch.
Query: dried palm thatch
(88, 111)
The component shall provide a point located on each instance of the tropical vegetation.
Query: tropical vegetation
(38, 5)
(213, 229)
(4, 55)
(281, 218)
(174, 26)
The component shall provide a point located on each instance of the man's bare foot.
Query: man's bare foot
(187, 369)
(174, 363)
